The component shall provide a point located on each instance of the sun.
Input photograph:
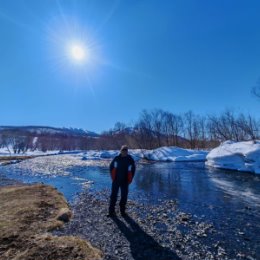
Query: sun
(78, 52)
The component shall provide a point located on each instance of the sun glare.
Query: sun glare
(72, 49)
(78, 52)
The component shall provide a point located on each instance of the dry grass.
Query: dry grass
(5, 160)
(27, 213)
(14, 157)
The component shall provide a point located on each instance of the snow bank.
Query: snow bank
(110, 154)
(175, 154)
(240, 156)
(5, 152)
(165, 154)
(99, 155)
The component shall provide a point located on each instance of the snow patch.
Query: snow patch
(239, 156)
(175, 154)
(164, 154)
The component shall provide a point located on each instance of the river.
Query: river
(229, 200)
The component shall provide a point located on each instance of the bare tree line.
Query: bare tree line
(153, 129)
(158, 128)
(16, 143)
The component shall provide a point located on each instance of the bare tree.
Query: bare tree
(172, 128)
(202, 132)
(144, 131)
(119, 126)
(190, 128)
(229, 126)
(6, 142)
(158, 118)
(249, 126)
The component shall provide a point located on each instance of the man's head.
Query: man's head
(124, 150)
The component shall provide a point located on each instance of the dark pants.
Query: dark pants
(113, 197)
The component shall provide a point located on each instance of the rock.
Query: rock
(184, 217)
(64, 215)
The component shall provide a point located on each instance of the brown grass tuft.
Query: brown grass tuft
(27, 213)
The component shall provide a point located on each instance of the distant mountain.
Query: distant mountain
(46, 130)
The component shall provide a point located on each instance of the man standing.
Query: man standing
(122, 170)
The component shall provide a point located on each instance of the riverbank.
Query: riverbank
(5, 160)
(27, 215)
(150, 232)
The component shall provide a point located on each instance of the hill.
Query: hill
(45, 130)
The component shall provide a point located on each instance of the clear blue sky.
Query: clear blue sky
(143, 54)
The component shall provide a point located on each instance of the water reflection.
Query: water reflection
(192, 184)
(184, 181)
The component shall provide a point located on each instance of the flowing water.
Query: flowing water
(227, 199)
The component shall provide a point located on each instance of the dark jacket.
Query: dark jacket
(120, 167)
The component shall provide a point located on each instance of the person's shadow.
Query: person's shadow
(142, 245)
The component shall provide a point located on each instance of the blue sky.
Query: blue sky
(143, 54)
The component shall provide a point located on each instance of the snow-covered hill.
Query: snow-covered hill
(46, 130)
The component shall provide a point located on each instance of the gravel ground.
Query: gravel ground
(160, 232)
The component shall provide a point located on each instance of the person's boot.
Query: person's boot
(123, 213)
(111, 213)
